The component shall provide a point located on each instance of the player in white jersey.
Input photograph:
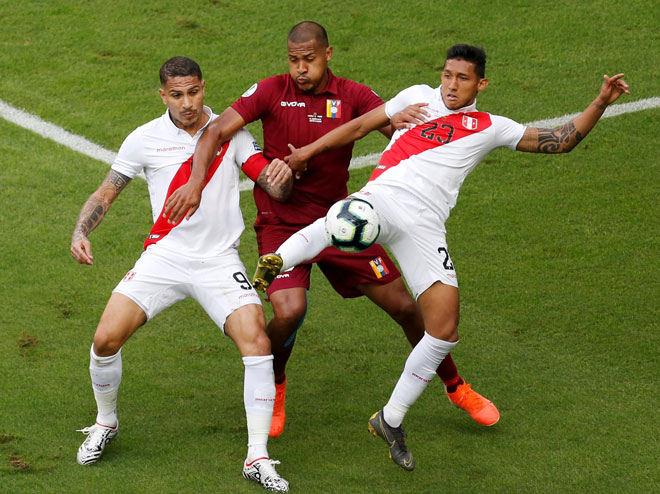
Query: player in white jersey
(414, 188)
(196, 257)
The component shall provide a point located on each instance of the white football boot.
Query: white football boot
(263, 472)
(98, 436)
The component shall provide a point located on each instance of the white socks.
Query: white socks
(106, 377)
(304, 245)
(259, 398)
(420, 368)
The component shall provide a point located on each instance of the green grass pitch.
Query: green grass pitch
(557, 259)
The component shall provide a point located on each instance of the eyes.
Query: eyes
(179, 94)
(308, 58)
(449, 75)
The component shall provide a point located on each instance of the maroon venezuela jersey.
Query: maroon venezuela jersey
(291, 116)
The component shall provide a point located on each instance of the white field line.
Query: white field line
(93, 150)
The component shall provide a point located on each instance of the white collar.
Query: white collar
(173, 128)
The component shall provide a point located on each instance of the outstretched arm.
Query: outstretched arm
(185, 200)
(563, 139)
(342, 135)
(93, 212)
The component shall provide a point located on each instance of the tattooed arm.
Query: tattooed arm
(277, 180)
(563, 139)
(93, 212)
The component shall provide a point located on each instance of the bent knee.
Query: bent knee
(105, 343)
(289, 315)
(253, 342)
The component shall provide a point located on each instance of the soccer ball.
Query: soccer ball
(352, 225)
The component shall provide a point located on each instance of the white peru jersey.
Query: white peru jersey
(430, 161)
(164, 152)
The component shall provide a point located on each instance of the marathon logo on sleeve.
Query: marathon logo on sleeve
(379, 268)
(333, 108)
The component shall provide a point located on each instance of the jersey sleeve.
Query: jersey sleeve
(408, 96)
(509, 132)
(130, 158)
(248, 154)
(255, 102)
(366, 98)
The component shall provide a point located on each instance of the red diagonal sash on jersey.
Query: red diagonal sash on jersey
(161, 227)
(431, 135)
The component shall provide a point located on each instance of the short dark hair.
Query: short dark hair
(308, 31)
(469, 53)
(179, 67)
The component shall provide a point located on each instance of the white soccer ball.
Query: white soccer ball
(352, 225)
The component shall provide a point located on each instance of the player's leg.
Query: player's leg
(223, 290)
(300, 247)
(246, 326)
(150, 287)
(288, 294)
(120, 319)
(289, 310)
(396, 301)
(417, 374)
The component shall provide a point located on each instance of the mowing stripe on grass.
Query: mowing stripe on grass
(88, 148)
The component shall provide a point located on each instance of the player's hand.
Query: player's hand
(297, 160)
(278, 173)
(612, 88)
(410, 116)
(81, 249)
(183, 201)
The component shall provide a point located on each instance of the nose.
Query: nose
(452, 82)
(302, 67)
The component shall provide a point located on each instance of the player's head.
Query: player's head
(463, 75)
(309, 54)
(182, 90)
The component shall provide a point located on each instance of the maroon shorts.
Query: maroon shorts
(343, 270)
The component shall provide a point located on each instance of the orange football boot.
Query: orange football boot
(279, 414)
(479, 408)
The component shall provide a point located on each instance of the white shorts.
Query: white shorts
(161, 278)
(416, 237)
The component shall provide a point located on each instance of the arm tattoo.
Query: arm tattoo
(558, 140)
(118, 180)
(98, 204)
(280, 193)
(91, 215)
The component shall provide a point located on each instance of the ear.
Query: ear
(163, 95)
(328, 53)
(483, 84)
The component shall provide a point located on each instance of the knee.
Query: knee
(290, 314)
(104, 344)
(446, 330)
(406, 312)
(253, 343)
